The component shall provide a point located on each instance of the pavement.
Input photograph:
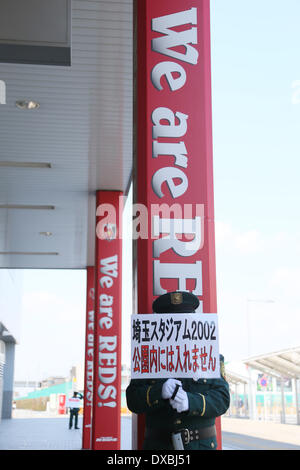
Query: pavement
(33, 430)
(37, 431)
(41, 431)
(287, 433)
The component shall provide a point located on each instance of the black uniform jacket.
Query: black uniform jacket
(208, 398)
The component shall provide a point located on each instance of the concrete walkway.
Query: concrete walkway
(33, 432)
(29, 430)
(288, 433)
(41, 431)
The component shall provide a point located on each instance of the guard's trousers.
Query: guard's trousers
(73, 413)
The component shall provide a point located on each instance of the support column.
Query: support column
(173, 155)
(8, 380)
(296, 400)
(106, 419)
(282, 420)
(89, 358)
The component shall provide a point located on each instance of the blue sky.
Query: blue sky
(255, 60)
(52, 323)
(256, 135)
(256, 128)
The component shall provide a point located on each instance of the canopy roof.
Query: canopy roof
(54, 158)
(284, 363)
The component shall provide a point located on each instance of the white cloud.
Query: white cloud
(223, 232)
(247, 242)
(52, 335)
(286, 281)
(257, 265)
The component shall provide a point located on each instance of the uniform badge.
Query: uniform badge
(222, 368)
(176, 298)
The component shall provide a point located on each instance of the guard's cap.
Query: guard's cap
(176, 302)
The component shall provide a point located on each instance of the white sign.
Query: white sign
(73, 402)
(175, 345)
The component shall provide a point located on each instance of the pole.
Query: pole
(282, 400)
(173, 154)
(89, 357)
(297, 401)
(106, 423)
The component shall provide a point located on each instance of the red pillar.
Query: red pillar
(173, 129)
(108, 302)
(89, 358)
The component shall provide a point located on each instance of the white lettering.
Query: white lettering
(172, 39)
(106, 281)
(107, 375)
(107, 342)
(178, 150)
(174, 227)
(179, 271)
(106, 300)
(168, 175)
(140, 222)
(105, 392)
(109, 266)
(106, 323)
(108, 359)
(167, 69)
(110, 218)
(171, 129)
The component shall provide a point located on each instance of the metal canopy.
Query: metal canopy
(234, 378)
(79, 140)
(284, 363)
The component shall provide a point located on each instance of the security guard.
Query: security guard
(185, 408)
(74, 411)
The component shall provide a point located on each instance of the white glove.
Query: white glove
(180, 402)
(168, 388)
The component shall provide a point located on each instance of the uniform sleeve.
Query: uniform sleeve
(212, 402)
(143, 396)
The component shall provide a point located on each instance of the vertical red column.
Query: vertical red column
(107, 341)
(173, 157)
(89, 359)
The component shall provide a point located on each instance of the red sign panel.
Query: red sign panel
(174, 152)
(89, 359)
(62, 404)
(107, 347)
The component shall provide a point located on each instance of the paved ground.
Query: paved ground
(39, 434)
(232, 441)
(38, 431)
(266, 430)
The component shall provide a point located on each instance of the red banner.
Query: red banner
(174, 153)
(108, 301)
(62, 404)
(89, 358)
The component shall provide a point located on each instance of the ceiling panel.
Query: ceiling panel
(83, 128)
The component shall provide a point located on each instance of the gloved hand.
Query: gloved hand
(168, 388)
(180, 402)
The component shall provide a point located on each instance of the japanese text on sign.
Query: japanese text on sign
(174, 345)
